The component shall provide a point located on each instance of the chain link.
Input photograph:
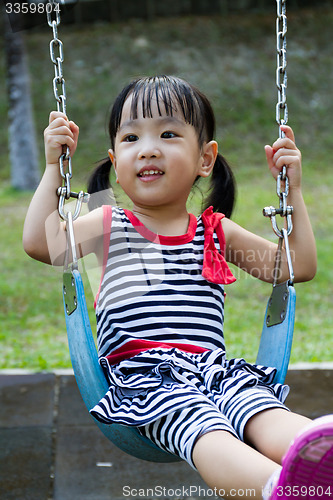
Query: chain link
(59, 90)
(282, 182)
(281, 66)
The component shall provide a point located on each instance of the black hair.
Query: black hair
(172, 94)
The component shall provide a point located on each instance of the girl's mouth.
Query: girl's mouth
(150, 174)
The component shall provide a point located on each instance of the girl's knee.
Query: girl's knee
(271, 431)
(212, 444)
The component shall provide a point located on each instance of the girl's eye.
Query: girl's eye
(130, 138)
(168, 135)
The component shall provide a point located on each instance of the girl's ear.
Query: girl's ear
(111, 156)
(113, 161)
(209, 154)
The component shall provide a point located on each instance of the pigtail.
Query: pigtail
(99, 186)
(222, 194)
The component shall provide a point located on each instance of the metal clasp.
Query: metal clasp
(81, 197)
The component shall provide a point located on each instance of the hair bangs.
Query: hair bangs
(170, 95)
(152, 90)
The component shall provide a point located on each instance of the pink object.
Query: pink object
(307, 468)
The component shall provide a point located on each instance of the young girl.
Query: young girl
(160, 304)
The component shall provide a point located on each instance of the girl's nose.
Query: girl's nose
(149, 151)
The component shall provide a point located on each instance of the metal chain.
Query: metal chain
(281, 67)
(59, 89)
(282, 183)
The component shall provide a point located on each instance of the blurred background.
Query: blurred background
(227, 49)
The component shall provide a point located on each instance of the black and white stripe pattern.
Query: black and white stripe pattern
(159, 382)
(156, 292)
(178, 432)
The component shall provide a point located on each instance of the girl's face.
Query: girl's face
(158, 158)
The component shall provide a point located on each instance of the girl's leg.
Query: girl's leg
(272, 431)
(231, 466)
(307, 466)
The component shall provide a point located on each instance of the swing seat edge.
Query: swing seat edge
(91, 381)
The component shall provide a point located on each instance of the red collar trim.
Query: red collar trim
(158, 238)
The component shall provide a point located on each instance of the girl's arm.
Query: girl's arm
(255, 254)
(44, 234)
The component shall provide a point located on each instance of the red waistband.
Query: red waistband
(137, 346)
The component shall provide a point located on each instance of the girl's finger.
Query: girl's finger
(283, 152)
(57, 114)
(288, 131)
(59, 122)
(285, 143)
(61, 133)
(285, 160)
(270, 160)
(269, 154)
(74, 129)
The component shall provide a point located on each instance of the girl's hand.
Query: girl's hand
(60, 132)
(284, 152)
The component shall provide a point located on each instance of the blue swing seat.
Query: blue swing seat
(274, 350)
(278, 328)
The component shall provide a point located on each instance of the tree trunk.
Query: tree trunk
(22, 139)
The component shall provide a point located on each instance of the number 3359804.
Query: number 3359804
(31, 8)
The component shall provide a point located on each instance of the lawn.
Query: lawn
(235, 67)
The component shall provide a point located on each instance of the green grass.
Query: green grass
(234, 66)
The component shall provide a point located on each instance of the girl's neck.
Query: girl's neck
(163, 222)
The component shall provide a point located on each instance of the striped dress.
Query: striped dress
(160, 322)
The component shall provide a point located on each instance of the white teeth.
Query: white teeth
(150, 172)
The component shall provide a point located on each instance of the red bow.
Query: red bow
(215, 268)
